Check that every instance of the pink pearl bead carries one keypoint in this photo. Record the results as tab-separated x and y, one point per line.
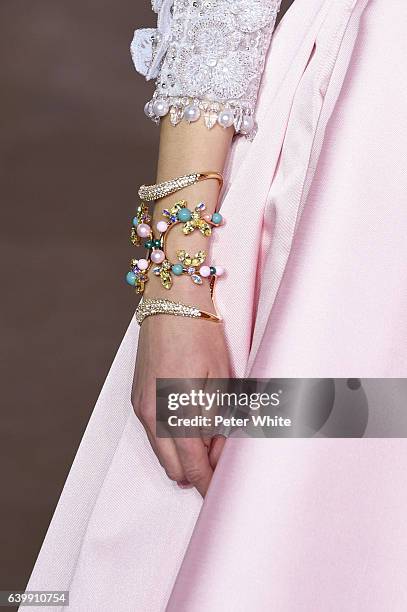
162	226
142	264
205	271
143	230
157	256
220	270
207	217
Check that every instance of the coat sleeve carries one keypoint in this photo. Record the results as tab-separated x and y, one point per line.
207	57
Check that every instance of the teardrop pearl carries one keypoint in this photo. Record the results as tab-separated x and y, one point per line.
191	113
157	256
160	107
226	117
143	230
247	124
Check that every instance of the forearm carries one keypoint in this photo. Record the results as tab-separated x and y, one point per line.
191	147
186	149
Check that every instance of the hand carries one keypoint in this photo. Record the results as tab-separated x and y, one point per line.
179	347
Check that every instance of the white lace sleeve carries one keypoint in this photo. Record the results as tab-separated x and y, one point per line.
207	57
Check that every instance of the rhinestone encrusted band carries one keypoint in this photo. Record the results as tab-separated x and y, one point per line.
153	306
150	193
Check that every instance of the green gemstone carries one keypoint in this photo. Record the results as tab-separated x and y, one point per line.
157	243
177	269
131	278
213	270
184	215
149	244
217	218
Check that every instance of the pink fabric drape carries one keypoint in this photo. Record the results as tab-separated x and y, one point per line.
288	525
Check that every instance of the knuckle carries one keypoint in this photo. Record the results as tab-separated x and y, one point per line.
174	474
193	473
136	403
141	409
136	407
146	413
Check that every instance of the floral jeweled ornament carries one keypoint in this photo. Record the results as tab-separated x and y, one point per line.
140	230
137	276
187	263
142	218
190	263
187	266
164	272
191	220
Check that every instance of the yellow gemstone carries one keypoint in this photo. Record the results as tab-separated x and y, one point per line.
166	280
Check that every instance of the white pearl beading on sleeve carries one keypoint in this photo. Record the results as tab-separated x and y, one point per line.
207	57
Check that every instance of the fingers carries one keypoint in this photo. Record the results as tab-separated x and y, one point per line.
170	460
195	462
207	442
188	461
215	451
164	448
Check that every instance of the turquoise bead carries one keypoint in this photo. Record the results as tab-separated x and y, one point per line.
135	222
177	269
184	214
149	244
217	218
157	243
131	278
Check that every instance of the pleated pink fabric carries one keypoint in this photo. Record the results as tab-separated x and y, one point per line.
319	285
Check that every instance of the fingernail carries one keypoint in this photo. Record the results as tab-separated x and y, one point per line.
184	484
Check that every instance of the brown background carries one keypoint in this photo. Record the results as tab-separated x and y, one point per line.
74	147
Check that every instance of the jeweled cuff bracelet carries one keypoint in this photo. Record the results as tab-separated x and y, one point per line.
191	264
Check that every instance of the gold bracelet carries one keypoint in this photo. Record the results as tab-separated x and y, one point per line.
153	306
149	193
191	264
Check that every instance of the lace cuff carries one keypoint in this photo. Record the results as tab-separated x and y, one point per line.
207	57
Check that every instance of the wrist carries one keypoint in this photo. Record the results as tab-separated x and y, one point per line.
182	290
